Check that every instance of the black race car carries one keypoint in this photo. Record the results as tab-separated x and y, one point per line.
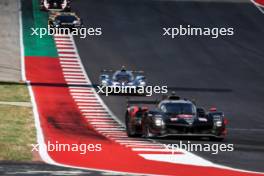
173	116
64	20
55	5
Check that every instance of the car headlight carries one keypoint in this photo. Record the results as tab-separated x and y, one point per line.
116	84
218	123
76	22
218	120
142	83
104	83
158	122
56	23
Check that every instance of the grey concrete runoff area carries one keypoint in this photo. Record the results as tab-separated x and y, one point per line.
9	41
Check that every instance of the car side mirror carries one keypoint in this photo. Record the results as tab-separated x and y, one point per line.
141	78
104	77
213	109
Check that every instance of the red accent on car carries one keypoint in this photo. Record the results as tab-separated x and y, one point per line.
135	110
144	108
224	132
213	109
184	116
225	121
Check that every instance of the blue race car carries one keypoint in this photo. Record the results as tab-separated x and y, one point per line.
123	79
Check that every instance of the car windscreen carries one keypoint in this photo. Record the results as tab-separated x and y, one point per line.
178	108
66	19
55	1
122	77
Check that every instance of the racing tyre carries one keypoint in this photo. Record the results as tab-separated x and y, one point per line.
146	132
67	9
217	139
42	8
129	128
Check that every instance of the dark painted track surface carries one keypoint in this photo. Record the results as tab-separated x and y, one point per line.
225	72
41	169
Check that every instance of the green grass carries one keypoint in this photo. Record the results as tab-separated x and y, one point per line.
17	130
16	93
32	17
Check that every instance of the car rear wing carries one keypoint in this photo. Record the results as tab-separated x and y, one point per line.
142	102
137	71
132	71
107	71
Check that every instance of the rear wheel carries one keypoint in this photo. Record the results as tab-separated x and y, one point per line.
129	127
42	8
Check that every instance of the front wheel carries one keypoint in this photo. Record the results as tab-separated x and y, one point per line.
146	132
67	9
217	139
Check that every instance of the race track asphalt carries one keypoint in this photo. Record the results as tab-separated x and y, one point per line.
226	72
13	168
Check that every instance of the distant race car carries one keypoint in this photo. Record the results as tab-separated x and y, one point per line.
64	20
123	78
173	116
55	5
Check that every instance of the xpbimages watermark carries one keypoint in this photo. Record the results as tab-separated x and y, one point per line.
191	147
81	32
142	90
183	30
62	147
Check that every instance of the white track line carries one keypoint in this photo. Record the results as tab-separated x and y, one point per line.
96	118
73	76
77	83
80	88
259	6
71	69
69	55
65	46
91	107
82	94
153	150
102	119
66	50
68	74
109	129
62	42
69	63
68	59
70	66
91	96
90	104
102	123
87	101
75	80
63	39
94	111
